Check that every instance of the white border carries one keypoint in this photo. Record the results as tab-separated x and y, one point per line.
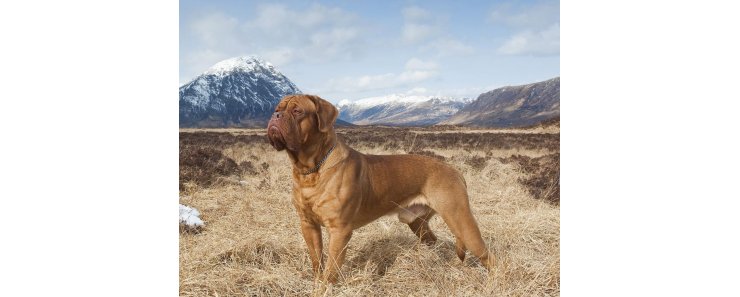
89	148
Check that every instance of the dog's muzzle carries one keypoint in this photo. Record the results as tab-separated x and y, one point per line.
274	133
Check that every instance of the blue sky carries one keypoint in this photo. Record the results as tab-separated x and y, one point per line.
357	49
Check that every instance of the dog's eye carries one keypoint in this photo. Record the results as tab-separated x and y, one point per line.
297	111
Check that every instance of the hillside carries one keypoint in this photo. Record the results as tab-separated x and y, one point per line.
512	106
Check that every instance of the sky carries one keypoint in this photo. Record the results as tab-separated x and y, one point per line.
357	49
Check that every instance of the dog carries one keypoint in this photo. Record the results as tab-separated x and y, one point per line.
342	189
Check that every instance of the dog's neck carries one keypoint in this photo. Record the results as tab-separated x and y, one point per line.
311	154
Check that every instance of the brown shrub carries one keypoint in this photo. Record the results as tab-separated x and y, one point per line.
203	165
478	163
428	154
553	122
543	180
220	140
405	139
247	168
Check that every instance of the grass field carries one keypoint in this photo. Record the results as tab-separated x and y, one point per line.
252	246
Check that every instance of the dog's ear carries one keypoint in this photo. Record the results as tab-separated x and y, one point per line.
326	113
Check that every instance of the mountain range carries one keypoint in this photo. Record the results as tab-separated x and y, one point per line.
242	92
399	110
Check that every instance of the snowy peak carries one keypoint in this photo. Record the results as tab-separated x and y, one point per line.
236	92
244	63
400	110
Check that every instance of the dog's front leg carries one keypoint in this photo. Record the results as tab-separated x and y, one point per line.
338	239
312	235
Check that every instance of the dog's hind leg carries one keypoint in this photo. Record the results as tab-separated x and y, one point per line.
468	236
460	249
461	222
420	226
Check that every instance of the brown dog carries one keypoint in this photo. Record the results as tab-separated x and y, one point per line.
341	189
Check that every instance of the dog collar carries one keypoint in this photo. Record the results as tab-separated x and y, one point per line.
316	168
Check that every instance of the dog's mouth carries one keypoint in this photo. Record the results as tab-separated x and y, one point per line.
276	137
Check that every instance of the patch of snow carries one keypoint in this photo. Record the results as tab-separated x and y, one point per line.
190	217
245	63
344	102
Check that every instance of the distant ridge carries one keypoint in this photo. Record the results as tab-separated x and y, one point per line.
512	106
400	110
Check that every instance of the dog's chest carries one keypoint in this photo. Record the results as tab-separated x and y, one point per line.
317	203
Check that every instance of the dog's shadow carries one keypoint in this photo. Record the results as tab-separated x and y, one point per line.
381	254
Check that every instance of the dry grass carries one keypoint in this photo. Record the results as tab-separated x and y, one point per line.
252	246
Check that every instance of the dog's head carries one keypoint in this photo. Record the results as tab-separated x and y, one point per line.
298	119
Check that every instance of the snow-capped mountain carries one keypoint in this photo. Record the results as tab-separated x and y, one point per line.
237	92
400	110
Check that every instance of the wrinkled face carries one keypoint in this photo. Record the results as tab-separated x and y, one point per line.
296	118
289	123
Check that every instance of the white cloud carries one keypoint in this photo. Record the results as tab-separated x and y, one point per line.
196	61
270	16
417	91
415	71
279	56
218	36
333	43
418	25
448	47
536	17
417	64
216	30
421	27
282	20
317	34
415	33
377	82
415	13
278	33
411	76
464	92
536	28
544	42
